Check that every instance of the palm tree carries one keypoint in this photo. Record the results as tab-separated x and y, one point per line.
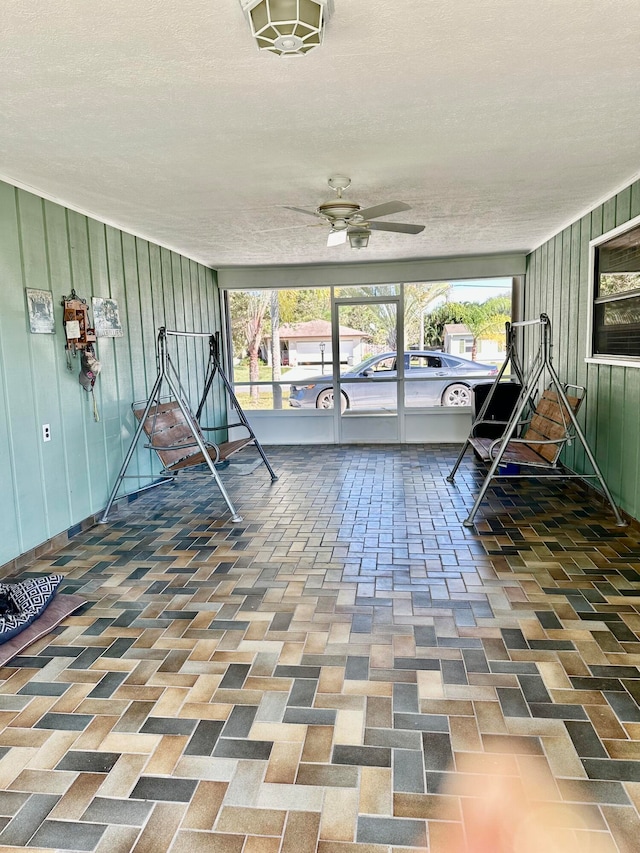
417	297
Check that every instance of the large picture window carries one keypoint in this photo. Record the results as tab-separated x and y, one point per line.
287	354
616	308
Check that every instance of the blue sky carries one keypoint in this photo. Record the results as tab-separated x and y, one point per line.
479	290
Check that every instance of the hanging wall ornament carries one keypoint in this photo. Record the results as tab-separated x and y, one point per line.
89	370
80	335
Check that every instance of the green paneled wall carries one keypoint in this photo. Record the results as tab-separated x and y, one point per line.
558	283
45	488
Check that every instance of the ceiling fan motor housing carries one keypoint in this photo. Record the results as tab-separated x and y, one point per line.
349	220
338	209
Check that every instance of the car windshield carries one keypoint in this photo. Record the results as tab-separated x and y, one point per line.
368	362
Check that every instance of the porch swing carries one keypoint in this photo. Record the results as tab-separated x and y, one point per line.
175	433
537	442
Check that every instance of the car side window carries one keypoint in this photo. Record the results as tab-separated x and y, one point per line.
417	361
422	361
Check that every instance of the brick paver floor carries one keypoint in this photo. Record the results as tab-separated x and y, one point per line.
336	673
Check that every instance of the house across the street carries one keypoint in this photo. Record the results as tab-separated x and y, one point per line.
309	343
458	340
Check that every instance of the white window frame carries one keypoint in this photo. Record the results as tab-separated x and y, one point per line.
590	357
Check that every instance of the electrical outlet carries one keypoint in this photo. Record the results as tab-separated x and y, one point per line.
46	432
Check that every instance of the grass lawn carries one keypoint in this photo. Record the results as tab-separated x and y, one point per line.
241	371
265	400
265	393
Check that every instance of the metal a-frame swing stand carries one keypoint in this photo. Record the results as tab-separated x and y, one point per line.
214	369
189	448
542	452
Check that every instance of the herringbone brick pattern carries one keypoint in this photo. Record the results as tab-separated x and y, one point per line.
334	673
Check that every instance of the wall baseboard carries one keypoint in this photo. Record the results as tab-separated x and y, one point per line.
54	544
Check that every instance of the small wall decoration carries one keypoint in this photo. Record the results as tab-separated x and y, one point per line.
106	318
40	309
75	319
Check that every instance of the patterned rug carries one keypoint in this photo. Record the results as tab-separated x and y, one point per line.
61	607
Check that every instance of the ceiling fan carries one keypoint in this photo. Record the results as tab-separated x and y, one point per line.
349	221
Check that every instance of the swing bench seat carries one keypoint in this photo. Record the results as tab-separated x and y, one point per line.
172	438
540	446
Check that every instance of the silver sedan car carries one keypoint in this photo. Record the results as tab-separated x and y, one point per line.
447	380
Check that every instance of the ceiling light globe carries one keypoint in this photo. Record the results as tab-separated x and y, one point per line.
359	238
287	27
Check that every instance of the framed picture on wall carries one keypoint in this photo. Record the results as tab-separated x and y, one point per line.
106	318
40	311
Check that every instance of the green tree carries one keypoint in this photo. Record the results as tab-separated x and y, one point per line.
298	306
486	320
238	306
436	320
365	319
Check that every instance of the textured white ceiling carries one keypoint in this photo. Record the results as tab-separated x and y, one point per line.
498	121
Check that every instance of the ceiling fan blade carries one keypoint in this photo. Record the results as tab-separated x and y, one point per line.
385	209
302	210
400	227
337	238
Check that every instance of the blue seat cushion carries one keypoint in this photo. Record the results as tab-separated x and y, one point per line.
30	598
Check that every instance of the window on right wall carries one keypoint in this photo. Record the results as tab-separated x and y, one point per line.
615	329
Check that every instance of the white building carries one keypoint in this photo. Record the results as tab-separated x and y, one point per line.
458	340
309	343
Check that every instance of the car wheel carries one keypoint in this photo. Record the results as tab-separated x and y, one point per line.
325	400
457	395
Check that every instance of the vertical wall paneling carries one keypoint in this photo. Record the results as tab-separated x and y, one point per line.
621	381
578	310
37	356
558	319
568	319
179	345
147	320
192	345
216	401
632	395
22	411
168	291
147	464
48	487
630	459
610	414
199	324
553	301
577	341
603	424
531	284
104	351
11	321
119	421
157	290
204	323
86	434
67	394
